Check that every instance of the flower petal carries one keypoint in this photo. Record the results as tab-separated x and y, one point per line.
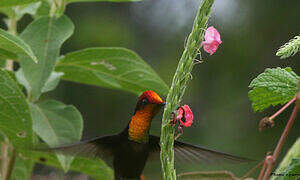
187	119
212	40
211	48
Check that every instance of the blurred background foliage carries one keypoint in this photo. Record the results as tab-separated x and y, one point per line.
251	31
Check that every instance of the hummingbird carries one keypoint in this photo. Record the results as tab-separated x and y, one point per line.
128	151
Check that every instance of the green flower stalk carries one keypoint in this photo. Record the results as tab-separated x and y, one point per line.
290	48
176	92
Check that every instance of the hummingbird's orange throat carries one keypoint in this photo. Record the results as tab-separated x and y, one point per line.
140	124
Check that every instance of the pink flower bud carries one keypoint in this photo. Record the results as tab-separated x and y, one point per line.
212	40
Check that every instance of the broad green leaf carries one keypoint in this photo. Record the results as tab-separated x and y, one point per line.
272	87
292	172
15	45
209	175
294	152
2	62
116	68
4	3
69	1
21	78
23	167
18	12
45	35
27	9
57	124
8	11
43	10
52	82
15	119
92	167
4	54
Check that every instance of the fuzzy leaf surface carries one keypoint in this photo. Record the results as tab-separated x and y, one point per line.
22	168
95	168
57	124
5	3
272	87
16	45
292	172
45	35
115	68
15	118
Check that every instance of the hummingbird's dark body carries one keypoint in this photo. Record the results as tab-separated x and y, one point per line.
130	157
129	150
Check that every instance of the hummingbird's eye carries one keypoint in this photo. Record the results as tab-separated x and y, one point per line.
145	101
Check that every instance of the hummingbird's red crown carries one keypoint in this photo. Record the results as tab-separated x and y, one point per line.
152	97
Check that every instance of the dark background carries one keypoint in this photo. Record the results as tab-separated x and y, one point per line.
251	31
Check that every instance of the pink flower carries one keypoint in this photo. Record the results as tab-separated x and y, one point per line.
212	40
185	116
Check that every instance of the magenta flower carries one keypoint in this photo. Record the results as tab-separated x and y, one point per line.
185	116
212	40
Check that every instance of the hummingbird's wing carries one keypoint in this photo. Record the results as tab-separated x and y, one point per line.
187	153
99	147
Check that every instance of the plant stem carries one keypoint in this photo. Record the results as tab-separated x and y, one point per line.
4	159
261	174
53	8
179	83
283	108
11	164
281	142
252	170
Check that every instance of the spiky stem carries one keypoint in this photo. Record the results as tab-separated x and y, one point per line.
180	79
290	48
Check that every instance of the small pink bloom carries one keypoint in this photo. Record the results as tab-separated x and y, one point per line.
212	40
185	116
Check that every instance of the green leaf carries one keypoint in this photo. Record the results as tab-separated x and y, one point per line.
4	3
15	119
57	124
22	167
69	1
15	45
2	63
209	175
21	78
4	54
27	9
18	12
272	87
291	173
43	10
8	11
116	68
95	168
294	152
45	35
52	82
